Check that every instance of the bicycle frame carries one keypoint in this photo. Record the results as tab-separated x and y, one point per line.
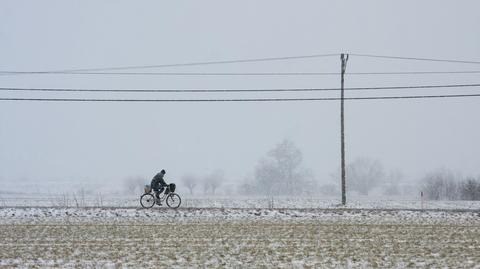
162	196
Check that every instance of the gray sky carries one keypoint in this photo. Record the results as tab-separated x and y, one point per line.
110	141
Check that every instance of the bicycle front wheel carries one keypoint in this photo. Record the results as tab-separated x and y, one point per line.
173	200
147	200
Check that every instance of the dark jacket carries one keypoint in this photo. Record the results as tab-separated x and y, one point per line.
158	181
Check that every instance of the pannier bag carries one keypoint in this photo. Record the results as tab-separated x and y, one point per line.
147	189
172	187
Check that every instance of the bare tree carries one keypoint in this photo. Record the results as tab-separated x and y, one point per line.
190	182
246	189
213	181
470	189
280	172
441	184
364	174
267	178
392	183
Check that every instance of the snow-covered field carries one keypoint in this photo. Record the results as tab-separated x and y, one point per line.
238	237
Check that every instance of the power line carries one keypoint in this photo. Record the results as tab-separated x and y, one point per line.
233	73
238	90
415	72
240	100
87	70
413	87
415	58
251	60
171	73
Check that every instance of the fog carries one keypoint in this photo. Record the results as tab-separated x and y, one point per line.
64	143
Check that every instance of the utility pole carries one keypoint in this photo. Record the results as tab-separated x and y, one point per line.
342	128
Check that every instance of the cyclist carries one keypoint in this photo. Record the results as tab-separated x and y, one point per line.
158	184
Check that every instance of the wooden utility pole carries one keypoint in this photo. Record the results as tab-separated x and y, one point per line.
342	128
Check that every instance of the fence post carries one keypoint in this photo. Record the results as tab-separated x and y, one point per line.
421	199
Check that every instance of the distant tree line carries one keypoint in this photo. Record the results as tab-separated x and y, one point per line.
281	173
365	175
443	184
209	183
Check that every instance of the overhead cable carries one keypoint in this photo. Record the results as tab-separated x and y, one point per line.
241	99
238	90
251	60
232	73
414	58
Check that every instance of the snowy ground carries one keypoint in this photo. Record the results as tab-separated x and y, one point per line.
238	237
99	200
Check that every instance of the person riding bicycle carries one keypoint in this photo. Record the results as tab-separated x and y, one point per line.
158	183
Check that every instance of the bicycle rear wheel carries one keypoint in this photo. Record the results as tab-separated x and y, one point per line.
147	200
173	200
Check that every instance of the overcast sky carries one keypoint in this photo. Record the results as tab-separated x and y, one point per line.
105	142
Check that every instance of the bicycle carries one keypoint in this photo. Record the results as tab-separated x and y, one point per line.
148	200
